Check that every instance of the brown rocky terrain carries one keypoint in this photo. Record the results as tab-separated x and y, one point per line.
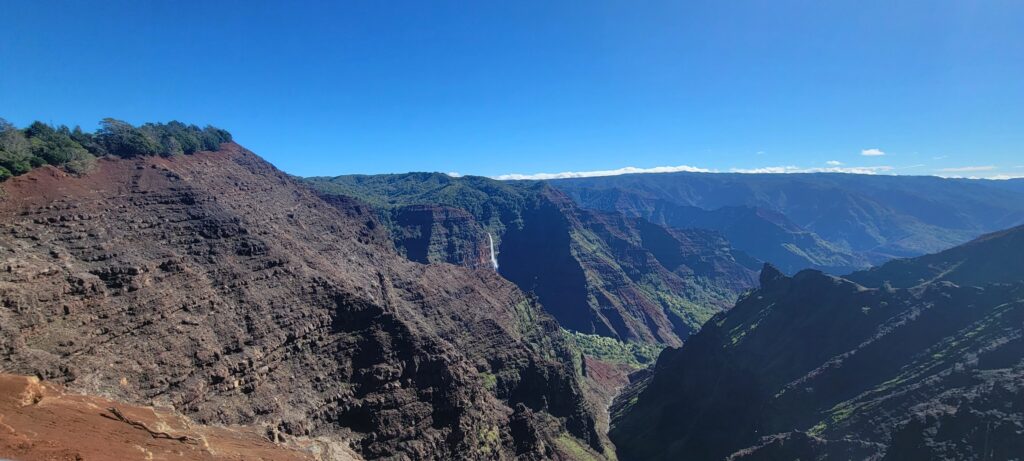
215	285
42	422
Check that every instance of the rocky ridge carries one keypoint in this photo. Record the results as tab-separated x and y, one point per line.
216	285
820	367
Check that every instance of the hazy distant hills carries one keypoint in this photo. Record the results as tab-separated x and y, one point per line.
833	222
993	258
819	367
596	272
1016	184
767	234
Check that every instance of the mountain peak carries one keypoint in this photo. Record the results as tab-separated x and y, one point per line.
771	276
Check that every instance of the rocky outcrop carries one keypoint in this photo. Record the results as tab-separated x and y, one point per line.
216	285
440	234
931	372
43	422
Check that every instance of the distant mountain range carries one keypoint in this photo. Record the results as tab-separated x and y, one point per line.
833	222
918	359
596	272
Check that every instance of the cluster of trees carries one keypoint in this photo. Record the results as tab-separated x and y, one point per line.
76	150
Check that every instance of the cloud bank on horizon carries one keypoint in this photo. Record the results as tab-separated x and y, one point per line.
830	169
616	172
833	167
966	169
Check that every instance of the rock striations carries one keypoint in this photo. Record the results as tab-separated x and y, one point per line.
217	285
441	234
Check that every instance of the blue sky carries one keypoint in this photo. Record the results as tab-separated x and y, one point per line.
493	88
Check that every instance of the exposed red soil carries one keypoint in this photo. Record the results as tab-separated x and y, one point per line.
40	421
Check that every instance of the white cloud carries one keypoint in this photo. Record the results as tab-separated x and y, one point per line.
834	167
795	169
768	169
454	174
589	174
872	152
966	169
977	172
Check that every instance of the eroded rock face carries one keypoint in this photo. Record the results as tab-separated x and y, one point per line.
440	234
621	277
214	284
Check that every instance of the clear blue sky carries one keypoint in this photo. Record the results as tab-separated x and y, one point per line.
483	87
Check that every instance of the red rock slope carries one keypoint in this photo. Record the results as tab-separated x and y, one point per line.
40	421
216	284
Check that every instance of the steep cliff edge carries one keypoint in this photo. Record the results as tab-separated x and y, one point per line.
435	234
215	284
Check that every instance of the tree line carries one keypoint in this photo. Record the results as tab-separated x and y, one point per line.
76	151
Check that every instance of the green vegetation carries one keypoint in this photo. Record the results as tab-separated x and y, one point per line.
76	151
489	439
490	380
496	205
612	350
574	449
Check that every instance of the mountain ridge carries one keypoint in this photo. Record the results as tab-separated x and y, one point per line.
821	367
215	283
869	218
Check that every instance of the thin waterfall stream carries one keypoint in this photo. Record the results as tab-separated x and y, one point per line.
494	260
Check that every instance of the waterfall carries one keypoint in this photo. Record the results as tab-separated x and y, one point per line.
494	261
